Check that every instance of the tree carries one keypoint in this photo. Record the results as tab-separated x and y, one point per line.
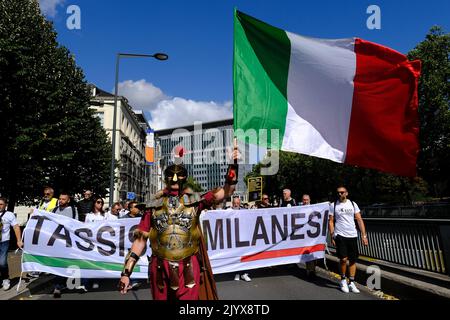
319	178
193	184
49	135
434	110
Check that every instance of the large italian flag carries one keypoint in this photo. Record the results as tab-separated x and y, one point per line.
347	100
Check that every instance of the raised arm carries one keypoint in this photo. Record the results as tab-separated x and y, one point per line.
231	178
230	184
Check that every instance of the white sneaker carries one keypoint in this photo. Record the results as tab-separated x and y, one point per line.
6	284
82	288
245	277
237	277
34	274
135	285
344	286
353	287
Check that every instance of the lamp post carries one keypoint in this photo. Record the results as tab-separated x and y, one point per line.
158	56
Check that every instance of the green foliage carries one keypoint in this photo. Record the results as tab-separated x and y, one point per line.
193	184
49	135
434	110
319	178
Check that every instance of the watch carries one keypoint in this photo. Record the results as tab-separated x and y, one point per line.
125	273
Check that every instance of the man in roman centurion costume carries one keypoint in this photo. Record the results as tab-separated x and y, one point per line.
179	266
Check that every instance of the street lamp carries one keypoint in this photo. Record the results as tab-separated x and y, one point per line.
158	56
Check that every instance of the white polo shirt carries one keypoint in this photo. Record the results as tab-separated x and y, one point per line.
344	218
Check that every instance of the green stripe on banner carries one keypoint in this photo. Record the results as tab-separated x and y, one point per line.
260	75
82	264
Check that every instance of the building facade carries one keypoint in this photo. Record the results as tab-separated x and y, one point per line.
205	158
133	173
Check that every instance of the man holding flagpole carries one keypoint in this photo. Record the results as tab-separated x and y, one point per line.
179	266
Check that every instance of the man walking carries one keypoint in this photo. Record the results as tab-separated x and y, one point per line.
113	214
134	212
7	220
265	202
306	200
85	205
310	265
64	208
287	200
179	266
48	202
343	214
236	205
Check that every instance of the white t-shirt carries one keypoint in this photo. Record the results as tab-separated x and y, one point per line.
344	218
91	217
8	220
123	212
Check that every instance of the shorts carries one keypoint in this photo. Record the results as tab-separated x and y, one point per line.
346	248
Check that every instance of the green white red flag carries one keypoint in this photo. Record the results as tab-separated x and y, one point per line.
347	100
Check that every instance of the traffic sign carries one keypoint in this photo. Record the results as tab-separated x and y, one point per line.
254	188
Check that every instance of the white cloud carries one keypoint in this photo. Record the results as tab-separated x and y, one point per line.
178	112
142	95
170	112
48	7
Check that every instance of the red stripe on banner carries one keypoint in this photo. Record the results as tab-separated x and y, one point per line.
282	253
384	124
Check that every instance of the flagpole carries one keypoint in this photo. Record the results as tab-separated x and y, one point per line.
235	162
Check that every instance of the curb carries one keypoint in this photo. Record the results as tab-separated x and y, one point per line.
33	286
400	286
334	277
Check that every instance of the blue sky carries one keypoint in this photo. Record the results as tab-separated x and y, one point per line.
196	81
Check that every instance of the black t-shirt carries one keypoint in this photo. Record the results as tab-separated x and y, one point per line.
290	203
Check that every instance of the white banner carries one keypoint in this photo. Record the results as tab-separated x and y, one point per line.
236	240
250	239
63	246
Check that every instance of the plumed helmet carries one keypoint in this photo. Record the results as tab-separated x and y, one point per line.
176	173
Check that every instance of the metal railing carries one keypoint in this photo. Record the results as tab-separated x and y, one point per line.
427	211
412	242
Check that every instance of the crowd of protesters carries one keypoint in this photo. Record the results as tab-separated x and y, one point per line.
90	208
343	213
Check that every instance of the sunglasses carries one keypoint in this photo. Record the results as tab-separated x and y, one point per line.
98	201
47	194
265	198
341	192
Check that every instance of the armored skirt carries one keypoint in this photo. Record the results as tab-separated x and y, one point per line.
179	266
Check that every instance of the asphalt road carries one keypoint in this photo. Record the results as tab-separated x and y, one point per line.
275	283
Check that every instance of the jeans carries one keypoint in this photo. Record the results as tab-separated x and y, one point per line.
4	271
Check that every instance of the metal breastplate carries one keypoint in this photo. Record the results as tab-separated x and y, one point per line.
175	234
